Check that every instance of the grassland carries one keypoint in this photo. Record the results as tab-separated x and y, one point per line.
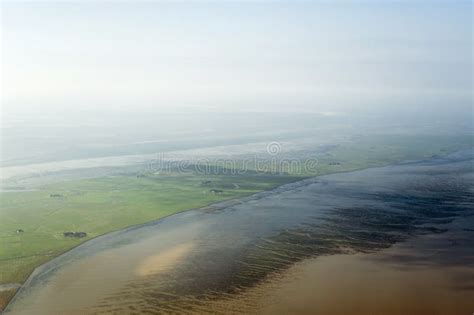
100	205
379	150
355	154
97	206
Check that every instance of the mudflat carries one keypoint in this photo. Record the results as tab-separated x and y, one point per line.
391	239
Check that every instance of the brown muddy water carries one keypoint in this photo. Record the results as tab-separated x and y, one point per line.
390	240
408	278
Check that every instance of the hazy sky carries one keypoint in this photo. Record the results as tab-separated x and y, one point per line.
313	56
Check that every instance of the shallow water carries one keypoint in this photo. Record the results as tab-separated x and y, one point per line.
193	260
357	284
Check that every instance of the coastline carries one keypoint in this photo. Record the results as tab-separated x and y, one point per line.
217	206
212	207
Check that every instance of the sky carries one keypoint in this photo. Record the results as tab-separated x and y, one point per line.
248	56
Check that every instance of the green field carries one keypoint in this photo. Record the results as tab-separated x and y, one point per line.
359	153
100	205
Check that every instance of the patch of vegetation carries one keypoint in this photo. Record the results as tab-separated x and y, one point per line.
348	155
104	204
5	297
100	205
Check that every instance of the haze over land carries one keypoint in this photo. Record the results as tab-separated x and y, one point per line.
103	79
79	78
120	114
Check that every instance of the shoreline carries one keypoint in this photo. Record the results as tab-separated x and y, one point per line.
216	206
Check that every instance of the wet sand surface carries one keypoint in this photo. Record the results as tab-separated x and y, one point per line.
391	240
394	281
